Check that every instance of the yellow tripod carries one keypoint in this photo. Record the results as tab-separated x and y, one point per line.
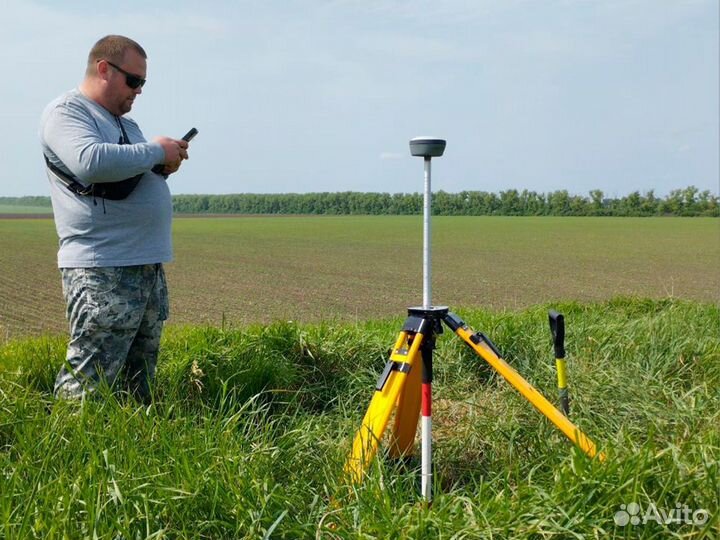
404	387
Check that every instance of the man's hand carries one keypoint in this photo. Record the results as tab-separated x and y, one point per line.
170	168
175	150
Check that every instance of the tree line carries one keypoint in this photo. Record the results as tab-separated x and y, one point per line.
680	202
689	201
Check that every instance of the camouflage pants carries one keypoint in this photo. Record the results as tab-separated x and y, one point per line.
116	316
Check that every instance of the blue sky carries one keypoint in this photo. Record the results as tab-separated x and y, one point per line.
291	96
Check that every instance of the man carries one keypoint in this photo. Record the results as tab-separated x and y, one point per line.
113	217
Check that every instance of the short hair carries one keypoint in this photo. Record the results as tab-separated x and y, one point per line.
112	48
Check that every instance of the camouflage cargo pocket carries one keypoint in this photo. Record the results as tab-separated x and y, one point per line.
107	298
102	280
161	295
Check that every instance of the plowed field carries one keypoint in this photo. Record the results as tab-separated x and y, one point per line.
242	270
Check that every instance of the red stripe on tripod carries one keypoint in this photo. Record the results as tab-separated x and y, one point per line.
427	399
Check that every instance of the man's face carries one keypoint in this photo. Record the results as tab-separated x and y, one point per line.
120	95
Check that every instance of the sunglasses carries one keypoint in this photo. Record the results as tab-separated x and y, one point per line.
133	81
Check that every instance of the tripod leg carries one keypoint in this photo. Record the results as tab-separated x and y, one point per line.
404	359
409	403
406	415
487	351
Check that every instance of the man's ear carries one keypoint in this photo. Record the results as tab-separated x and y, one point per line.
102	68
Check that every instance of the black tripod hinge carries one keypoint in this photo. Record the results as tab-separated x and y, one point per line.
453	321
478	337
392	365
413	324
419	325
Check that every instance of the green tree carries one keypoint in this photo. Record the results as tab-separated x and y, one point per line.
597	197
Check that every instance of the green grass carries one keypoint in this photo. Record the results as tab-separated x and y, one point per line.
244	270
24	209
251	425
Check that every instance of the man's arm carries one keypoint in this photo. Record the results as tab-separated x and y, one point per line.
76	140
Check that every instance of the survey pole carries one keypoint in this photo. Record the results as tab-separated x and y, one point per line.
427	148
427	257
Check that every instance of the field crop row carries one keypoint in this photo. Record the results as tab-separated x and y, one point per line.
245	270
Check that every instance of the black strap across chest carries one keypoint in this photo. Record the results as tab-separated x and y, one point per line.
113	191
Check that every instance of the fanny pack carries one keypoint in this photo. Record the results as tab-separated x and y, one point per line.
113	191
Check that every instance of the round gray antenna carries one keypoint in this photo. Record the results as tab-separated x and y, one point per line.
427	147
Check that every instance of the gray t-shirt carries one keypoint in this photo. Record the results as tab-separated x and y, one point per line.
82	138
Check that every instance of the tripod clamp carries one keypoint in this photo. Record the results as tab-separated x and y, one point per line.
426	322
454	323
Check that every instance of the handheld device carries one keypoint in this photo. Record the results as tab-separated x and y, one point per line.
190	134
187	137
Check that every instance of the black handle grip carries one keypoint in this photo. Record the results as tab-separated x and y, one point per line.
557	328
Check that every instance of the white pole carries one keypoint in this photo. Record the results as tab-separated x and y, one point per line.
427	147
426	236
426	418
426	458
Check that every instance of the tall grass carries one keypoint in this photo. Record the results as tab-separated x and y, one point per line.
249	429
